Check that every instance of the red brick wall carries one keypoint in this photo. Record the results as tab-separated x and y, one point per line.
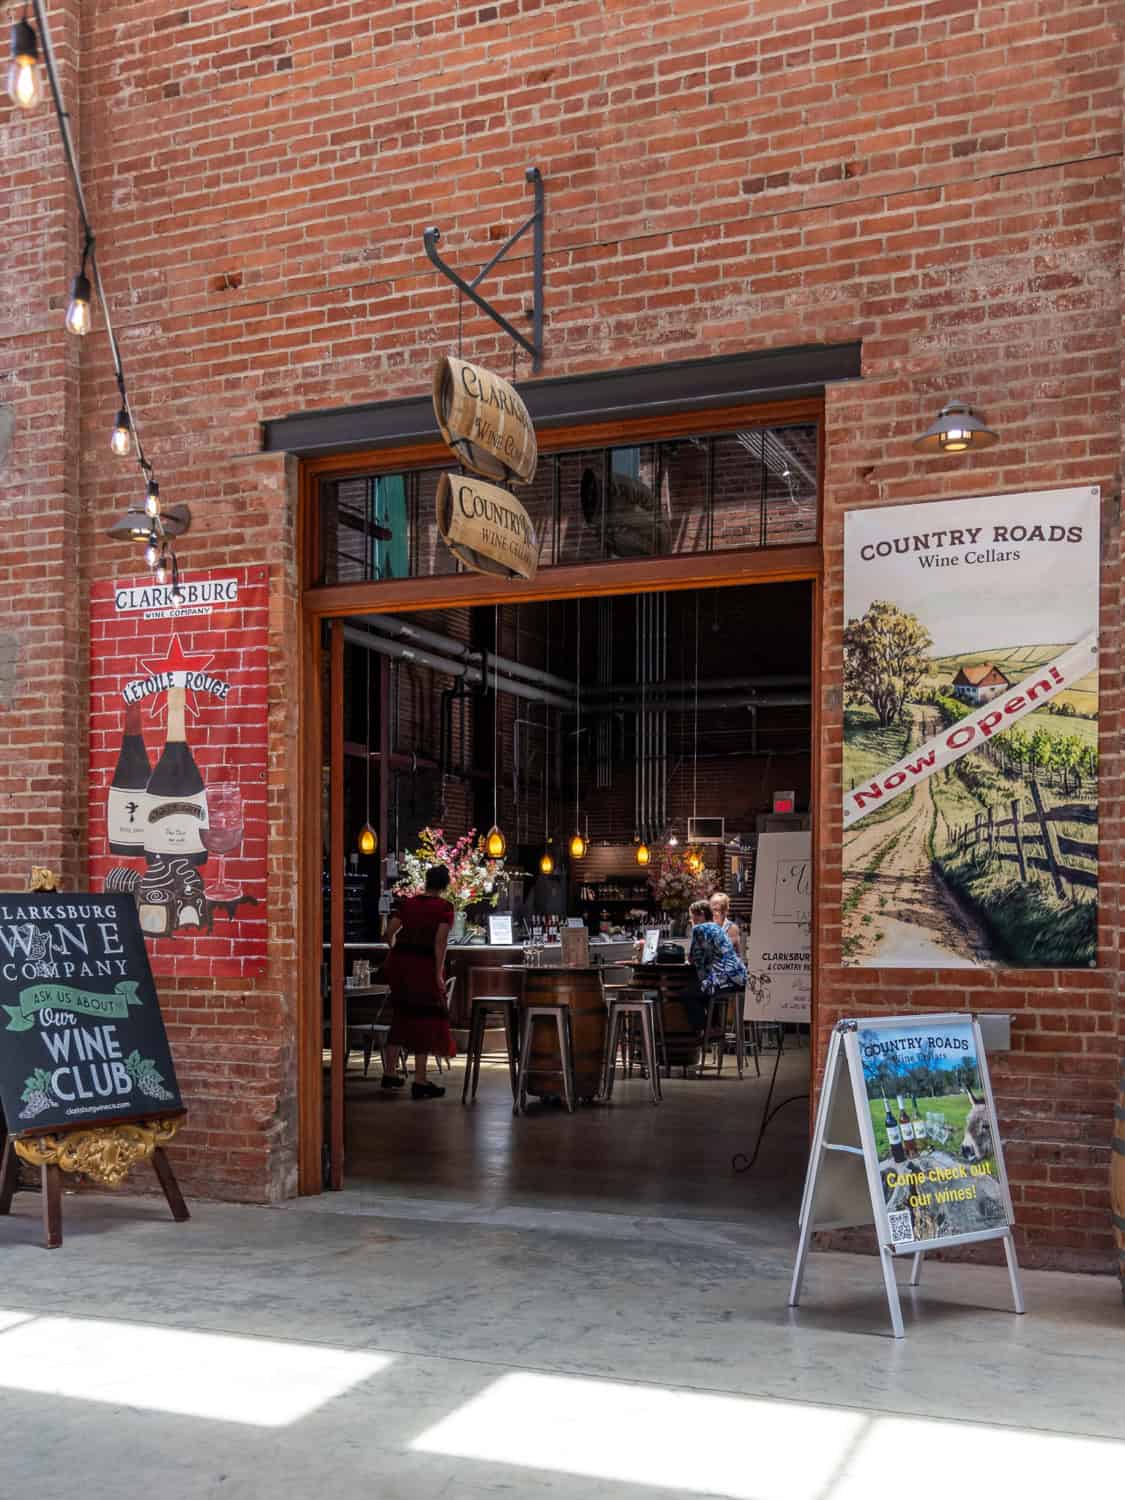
939	178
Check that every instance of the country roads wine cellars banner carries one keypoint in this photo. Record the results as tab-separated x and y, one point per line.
178	739
971	732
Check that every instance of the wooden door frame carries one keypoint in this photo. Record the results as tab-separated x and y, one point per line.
329	603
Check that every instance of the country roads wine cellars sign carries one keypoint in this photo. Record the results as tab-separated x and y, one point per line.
178	746
971	732
84	1041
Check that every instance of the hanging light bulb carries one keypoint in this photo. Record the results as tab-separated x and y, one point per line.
152	551
643	853
179	598
578	846
161	574
695	863
495	844
368	840
152	499
546	863
25	86
78	312
121	440
672	840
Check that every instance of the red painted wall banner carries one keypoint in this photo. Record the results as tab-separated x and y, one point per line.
178	744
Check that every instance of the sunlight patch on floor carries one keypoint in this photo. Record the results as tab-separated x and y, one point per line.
752	1449
219	1377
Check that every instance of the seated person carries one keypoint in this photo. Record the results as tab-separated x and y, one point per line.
718	968
720	913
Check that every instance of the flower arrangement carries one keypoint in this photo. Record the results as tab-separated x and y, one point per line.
473	877
683	878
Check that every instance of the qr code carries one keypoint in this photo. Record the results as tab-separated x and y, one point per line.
902	1227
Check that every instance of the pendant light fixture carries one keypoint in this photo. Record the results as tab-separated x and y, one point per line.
694	859
642	853
547	859
368	840
495	844
578	843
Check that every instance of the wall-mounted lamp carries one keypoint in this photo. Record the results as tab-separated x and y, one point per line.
137	522
957	430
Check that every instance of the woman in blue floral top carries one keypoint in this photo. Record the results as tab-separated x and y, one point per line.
718	967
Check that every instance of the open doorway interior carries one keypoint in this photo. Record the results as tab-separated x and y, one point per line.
635	752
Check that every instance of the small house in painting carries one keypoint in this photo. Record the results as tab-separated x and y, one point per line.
976	685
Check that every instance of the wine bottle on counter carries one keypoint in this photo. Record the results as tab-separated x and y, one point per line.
177	798
127	803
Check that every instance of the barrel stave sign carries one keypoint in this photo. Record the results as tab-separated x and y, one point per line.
486	527
84	1042
484	421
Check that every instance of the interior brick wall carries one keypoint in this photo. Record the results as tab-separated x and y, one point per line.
938	178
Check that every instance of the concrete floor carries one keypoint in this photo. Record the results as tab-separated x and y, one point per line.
629	1157
389	1343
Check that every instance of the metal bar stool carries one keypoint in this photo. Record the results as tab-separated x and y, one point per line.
560	1015
715	1029
505	1005
624	1005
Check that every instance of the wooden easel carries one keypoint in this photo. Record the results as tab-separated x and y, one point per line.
104	1153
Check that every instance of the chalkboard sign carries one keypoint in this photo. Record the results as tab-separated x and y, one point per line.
83	1041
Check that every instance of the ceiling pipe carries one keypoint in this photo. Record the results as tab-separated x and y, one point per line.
404	630
706	705
468	671
706	685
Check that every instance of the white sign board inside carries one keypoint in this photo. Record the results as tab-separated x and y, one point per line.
778	949
500	927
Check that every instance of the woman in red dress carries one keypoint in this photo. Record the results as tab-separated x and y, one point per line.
419	934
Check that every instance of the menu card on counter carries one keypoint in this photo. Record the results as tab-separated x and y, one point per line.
500	928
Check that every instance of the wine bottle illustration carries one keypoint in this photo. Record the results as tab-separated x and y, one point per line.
177	798
906	1126
127	803
894	1134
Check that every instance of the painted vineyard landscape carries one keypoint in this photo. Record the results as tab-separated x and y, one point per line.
988	859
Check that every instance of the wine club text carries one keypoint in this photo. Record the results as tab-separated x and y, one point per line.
85	1056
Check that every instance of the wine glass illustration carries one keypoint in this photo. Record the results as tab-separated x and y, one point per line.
223	834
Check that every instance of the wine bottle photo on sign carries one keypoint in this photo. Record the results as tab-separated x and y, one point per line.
894	1134
127	803
177	797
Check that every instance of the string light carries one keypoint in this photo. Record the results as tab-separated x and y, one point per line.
121	440
78	309
28	41
25	87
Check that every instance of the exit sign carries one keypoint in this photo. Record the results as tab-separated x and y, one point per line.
784	802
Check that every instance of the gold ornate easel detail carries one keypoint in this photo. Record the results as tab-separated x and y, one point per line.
43	879
104	1153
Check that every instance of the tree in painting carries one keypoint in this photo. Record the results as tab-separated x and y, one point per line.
885	658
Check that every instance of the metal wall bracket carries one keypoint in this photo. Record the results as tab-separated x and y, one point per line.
534	345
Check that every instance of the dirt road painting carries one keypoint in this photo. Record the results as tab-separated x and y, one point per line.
971	733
